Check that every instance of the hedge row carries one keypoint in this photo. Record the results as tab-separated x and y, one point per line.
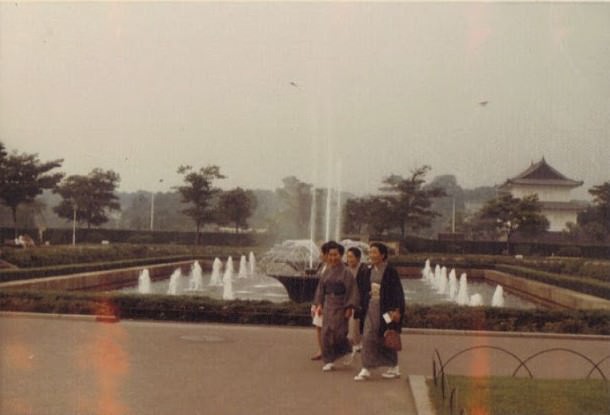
58	236
599	270
507	319
41	272
581	284
203	309
67	254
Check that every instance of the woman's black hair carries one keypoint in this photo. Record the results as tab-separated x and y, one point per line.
356	251
334	245
383	249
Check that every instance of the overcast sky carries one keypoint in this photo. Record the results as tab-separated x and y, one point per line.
268	90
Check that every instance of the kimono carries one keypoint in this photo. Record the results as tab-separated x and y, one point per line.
336	293
382	292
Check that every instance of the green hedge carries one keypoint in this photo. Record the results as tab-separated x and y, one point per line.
581	284
203	309
67	254
41	272
507	319
599	269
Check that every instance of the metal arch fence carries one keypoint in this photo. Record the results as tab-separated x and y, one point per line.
522	362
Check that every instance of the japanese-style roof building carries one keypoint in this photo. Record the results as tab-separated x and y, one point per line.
553	190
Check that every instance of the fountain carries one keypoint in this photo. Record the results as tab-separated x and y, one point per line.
453	285
252	264
227	281
427	271
442	282
215	279
144	282
498	298
196	279
462	297
476	300
174	279
294	264
243	271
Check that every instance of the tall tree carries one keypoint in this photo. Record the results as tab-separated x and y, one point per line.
372	213
507	214
199	191
410	203
91	197
236	206
23	177
595	220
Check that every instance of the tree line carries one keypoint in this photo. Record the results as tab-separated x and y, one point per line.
90	199
402	206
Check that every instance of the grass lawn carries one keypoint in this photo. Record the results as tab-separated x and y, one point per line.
523	396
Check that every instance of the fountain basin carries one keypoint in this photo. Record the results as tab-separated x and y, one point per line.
300	288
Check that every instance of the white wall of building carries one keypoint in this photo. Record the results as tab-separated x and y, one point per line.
559	219
545	194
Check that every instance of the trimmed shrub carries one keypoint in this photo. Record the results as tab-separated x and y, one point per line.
204	309
581	284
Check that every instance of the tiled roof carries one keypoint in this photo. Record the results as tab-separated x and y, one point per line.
542	173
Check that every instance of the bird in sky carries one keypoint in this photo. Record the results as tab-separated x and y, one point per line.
483	103
294	84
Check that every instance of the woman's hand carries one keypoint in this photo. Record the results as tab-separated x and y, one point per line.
319	310
395	315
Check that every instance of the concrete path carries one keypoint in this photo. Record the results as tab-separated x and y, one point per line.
71	366
74	366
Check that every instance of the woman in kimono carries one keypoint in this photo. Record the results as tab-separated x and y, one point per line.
336	298
354	264
382	307
316	316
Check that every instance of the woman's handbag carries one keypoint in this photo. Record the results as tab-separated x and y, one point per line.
391	340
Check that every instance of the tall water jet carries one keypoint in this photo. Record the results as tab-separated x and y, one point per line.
498	298
462	297
329	158
243	271
227	280
476	300
453	285
196	279
338	207
437	275
252	264
442	282
426	271
312	222
174	280
228	269
144	282
215	279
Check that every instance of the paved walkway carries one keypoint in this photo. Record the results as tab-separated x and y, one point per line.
77	366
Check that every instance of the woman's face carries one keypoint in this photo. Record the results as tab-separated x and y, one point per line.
334	257
352	261
375	256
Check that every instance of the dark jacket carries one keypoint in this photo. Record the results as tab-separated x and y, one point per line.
392	297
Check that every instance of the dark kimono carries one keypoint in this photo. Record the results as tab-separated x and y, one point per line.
336	293
381	292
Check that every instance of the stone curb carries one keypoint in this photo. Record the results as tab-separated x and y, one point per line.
419	390
448	332
73	317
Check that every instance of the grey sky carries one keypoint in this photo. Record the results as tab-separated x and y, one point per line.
142	88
